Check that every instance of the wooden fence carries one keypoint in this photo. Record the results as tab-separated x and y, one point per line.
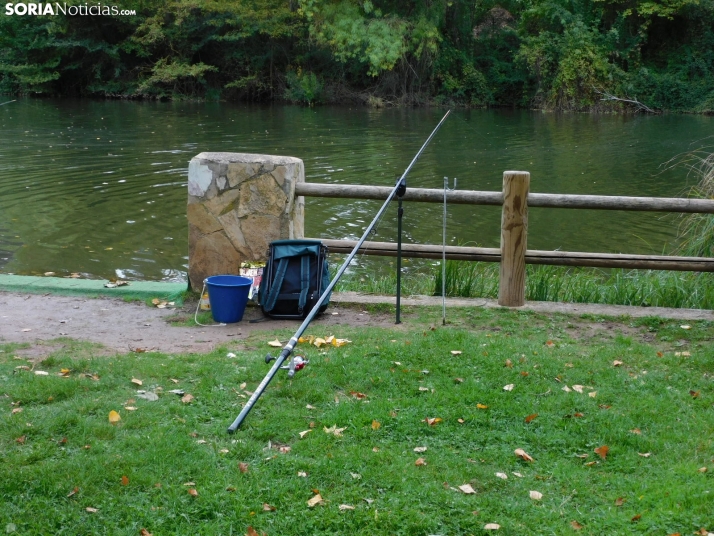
515	198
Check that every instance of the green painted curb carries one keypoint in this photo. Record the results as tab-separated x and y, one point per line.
141	290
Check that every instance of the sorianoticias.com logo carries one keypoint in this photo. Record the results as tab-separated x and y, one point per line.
56	8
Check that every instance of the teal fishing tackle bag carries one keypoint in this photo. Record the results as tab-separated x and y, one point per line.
294	278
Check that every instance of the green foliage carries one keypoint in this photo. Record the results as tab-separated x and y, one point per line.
554	54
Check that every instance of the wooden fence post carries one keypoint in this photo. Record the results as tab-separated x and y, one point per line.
514	234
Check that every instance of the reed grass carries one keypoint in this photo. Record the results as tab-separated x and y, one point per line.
648	288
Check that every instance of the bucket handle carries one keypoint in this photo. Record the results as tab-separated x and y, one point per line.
198	305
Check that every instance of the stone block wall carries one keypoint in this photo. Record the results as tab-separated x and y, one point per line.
237	204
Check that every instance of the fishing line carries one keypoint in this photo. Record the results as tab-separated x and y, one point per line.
443	252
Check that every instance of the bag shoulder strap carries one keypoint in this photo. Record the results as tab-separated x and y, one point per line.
275	285
304	281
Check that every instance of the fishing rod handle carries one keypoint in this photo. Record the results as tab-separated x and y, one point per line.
259	391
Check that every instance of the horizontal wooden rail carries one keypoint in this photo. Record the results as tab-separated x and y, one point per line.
474	197
553	258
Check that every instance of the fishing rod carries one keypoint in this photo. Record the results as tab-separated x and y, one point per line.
8	102
288	348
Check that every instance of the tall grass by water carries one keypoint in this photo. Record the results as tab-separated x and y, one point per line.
649	288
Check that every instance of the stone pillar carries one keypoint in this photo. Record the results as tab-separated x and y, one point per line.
237	204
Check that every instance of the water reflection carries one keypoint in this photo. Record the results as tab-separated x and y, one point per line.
100	186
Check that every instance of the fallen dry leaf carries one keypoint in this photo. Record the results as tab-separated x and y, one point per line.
42	373
114	417
250	531
508	387
617	363
137	381
590	464
523	455
73	492
636	518
304	433
535	495
144	532
317	499
422	388
310	407
91	510
508	363
192	492
686	326
502	476
16	410
491	526
481	406
302	474
357	395
243	467
576	525
644	454
619	501
566	389
455	352
592	394
275	344
346	507
549	344
694	394
420	462
602	451
187	398
531	417
702	470
458	380
319	341
124	480
268	507
337	432
432	421
420	449
467	489
376	425
636	431
578	388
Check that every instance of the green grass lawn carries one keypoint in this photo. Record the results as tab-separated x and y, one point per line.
647	395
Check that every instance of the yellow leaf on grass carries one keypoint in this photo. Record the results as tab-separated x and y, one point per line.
319	341
531	417
491	526
268	507
114	417
433	421
304	433
124	480
456	352
337	432
192	492
346	507
420	462
376	425
339	342
502	476
617	363
317	499
137	381
578	388
144	532
576	525
523	455
481	406
275	344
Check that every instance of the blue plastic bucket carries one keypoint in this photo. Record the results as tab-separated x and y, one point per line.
228	295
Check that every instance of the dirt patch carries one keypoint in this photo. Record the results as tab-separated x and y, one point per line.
125	326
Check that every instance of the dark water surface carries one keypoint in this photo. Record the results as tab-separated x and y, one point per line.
99	187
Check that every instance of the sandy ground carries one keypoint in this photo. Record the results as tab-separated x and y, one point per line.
125	326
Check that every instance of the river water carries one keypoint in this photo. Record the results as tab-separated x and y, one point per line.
99	187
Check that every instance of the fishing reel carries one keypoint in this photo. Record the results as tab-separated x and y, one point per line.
297	362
